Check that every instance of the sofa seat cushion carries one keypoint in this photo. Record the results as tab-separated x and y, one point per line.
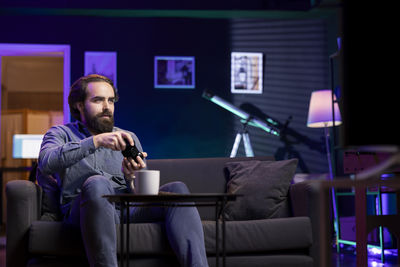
262	236
55	238
258	236
278	260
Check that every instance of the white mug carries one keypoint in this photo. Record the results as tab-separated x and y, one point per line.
147	182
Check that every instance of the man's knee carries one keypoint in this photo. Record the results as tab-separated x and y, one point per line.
175	187
97	185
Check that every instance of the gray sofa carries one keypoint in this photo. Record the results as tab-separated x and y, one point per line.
33	239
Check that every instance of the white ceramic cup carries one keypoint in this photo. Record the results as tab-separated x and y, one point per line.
147	182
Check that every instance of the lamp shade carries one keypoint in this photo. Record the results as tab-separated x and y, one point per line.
320	110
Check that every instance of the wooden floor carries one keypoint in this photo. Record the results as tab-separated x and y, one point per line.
345	259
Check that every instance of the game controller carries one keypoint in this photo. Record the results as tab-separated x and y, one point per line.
132	152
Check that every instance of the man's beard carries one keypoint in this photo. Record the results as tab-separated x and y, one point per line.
97	124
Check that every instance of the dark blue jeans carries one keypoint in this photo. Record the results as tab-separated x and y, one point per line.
97	219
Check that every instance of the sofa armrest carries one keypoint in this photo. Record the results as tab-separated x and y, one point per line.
23	207
306	201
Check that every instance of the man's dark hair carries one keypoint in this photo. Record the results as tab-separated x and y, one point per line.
78	91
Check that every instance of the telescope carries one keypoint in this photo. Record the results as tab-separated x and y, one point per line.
268	125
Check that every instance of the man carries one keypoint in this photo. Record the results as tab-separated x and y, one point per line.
85	157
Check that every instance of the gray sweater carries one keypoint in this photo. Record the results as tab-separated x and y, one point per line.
68	154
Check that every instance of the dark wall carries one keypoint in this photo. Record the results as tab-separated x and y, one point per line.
170	123
296	62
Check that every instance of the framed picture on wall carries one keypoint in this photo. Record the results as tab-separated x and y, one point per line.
246	73
174	72
103	63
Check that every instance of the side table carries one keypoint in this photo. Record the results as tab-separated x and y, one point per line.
364	222
164	199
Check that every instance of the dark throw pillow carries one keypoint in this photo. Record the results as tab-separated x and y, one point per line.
264	186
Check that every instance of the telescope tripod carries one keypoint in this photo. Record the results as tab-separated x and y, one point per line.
246	141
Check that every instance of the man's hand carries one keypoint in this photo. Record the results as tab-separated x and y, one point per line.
113	140
118	141
129	166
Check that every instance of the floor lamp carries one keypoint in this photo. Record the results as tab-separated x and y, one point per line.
322	115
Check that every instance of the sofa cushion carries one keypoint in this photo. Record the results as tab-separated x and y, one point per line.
264	187
260	236
278	260
54	238
201	175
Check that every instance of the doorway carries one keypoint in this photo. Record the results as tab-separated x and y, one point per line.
34	90
43	50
